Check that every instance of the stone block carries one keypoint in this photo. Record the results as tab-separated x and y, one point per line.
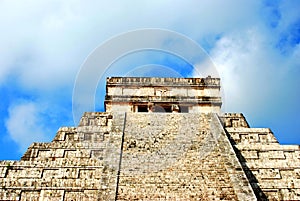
44	154
30	195
269	173
3	171
86	173
250	154
51	173
276	155
51	195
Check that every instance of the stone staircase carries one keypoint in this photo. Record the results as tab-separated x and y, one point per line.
179	157
130	156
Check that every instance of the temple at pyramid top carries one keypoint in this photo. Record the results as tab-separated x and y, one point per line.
155	94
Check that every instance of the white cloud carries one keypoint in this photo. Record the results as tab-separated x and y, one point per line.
47	41
256	77
25	125
240	60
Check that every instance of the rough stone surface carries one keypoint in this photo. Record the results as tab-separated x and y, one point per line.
195	95
272	169
178	162
153	155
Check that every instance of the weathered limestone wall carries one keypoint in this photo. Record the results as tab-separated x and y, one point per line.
161	158
179	157
161	89
155	156
204	109
273	169
123	94
79	164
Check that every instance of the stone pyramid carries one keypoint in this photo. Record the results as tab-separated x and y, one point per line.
159	139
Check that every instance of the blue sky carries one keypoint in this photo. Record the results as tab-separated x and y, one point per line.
255	46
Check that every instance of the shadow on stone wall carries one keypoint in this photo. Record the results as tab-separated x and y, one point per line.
260	195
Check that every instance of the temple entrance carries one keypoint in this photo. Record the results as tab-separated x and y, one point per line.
142	108
163	108
183	109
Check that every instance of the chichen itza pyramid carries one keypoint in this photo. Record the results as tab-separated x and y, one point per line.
158	139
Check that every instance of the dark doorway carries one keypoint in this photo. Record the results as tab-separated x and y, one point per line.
162	108
184	109
142	108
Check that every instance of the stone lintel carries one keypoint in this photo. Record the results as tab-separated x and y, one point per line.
162	81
